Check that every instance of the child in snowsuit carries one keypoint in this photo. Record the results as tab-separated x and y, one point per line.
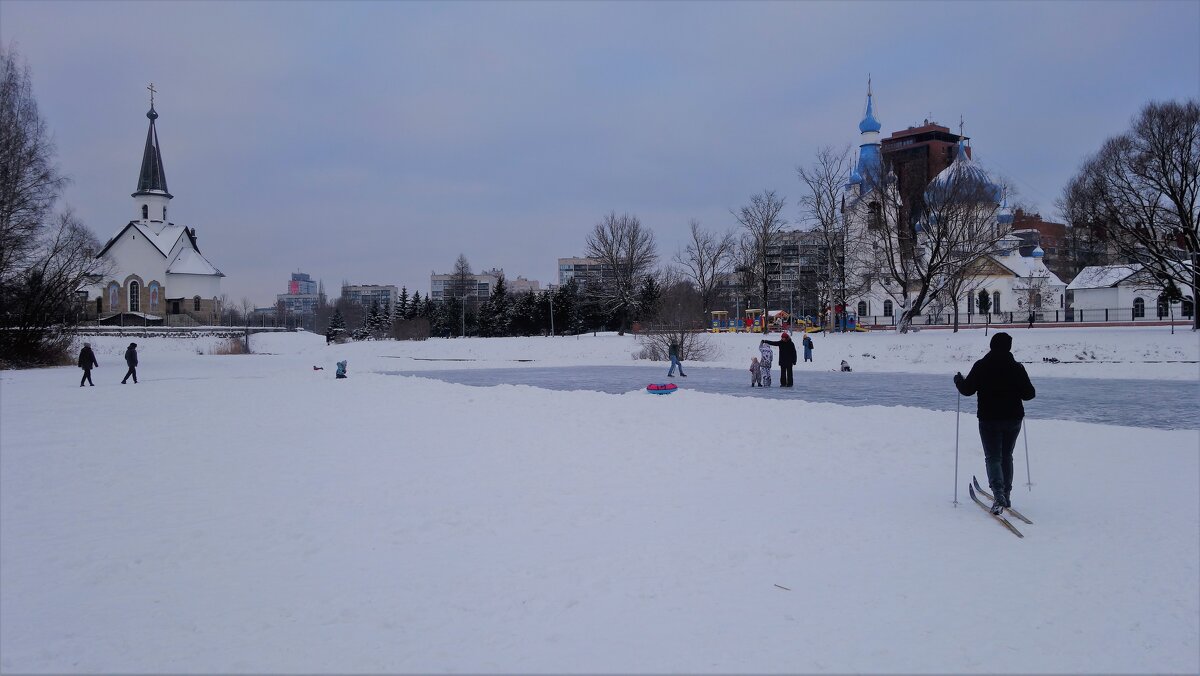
755	372
341	369
845	366
766	357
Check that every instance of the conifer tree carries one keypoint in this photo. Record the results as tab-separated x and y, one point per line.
402	304
415	306
338	323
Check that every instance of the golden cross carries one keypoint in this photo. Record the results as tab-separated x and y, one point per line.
152	90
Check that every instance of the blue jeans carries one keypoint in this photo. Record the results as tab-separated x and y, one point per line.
674	363
999	437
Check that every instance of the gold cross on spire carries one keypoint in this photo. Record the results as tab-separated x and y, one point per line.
960	126
152	90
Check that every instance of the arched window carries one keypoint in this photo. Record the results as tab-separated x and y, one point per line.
196	304
153	288
135	296
1037	301
996	302
887	308
1188	307
862	308
1163	306
145	212
875	216
1139	308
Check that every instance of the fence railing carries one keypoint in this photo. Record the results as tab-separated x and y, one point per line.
1090	316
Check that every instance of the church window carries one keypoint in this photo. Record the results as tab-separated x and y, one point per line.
875	216
887	308
113	297
996	301
1139	308
196	304
862	308
153	296
1162	306
145	212
135	297
1037	300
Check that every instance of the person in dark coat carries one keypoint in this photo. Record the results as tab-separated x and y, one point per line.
808	347
87	359
787	358
132	361
1002	384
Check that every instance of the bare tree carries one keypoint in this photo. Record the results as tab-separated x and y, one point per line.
763	224
706	260
30	183
1143	190
625	247
462	279
247	309
821	208
955	227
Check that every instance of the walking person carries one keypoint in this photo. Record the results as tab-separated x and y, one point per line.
808	347
673	353
132	360
787	358
1002	384
87	360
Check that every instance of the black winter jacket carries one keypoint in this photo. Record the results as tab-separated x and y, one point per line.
131	357
87	359
787	351
1002	384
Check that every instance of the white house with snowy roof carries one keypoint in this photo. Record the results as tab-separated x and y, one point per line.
157	273
1122	292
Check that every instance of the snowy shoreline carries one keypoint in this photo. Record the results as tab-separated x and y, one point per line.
250	514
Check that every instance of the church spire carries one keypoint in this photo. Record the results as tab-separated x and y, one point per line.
152	179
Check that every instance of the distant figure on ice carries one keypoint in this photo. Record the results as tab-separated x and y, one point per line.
755	372
673	353
845	366
808	347
87	359
787	358
1002	384
341	369
765	357
131	360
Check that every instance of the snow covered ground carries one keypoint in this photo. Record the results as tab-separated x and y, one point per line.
251	514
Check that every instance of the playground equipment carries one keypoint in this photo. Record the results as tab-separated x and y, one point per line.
753	321
720	322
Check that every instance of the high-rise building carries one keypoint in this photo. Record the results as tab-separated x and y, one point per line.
916	155
367	295
479	286
302	297
582	270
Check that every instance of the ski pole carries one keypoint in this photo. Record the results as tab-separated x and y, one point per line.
958	413
1028	477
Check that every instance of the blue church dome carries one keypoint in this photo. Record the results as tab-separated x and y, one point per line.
869	123
1037	252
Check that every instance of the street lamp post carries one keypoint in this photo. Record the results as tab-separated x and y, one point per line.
550	295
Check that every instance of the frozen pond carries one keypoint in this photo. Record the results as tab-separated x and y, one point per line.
1131	403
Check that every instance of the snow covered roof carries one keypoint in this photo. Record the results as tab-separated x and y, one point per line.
189	262
1103	276
1026	267
162	235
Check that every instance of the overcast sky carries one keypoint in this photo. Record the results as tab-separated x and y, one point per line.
375	141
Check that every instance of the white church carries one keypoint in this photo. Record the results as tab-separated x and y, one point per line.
157	274
1013	283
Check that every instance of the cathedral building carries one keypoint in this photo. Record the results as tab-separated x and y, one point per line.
157	275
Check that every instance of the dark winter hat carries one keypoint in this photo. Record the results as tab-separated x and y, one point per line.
135	344
1002	342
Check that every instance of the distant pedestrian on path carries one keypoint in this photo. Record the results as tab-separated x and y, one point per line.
673	353
1002	384
808	347
787	358
132	360
87	360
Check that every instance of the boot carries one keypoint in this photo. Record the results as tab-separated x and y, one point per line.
998	506
1008	499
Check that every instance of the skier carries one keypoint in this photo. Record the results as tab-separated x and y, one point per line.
787	358
673	353
808	347
87	359
1002	384
132	360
